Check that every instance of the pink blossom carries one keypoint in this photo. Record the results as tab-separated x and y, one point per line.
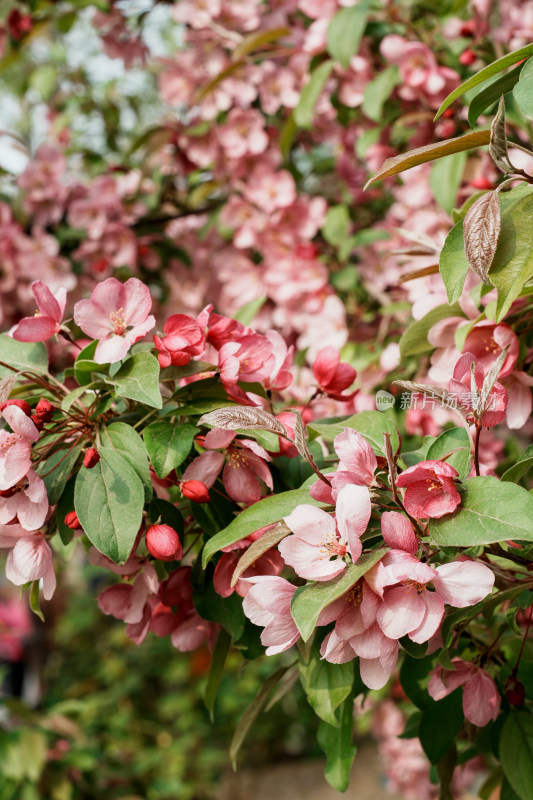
269	563
268	604
357	464
481	699
317	548
332	376
487	340
15	448
487	410
117	315
430	489
47	320
249	359
243	133
30	560
270	190
192	633
126	601
183	339
27	501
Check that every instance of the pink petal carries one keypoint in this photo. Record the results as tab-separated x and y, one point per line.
398	532
356	456
241	484
205	468
353	511
311	524
463	583
371	643
481	699
111	349
336	650
218	438
432	617
35	329
373	674
309	561
46	302
92	318
20	423
16	464
402	610
136	301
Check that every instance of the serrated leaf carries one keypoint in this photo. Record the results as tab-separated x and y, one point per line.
168	445
481	232
430	152
304	111
453	265
310	600
109	501
138	379
233	418
481	76
491	511
262	545
427	389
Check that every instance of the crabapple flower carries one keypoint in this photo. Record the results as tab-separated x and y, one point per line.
183	338
317	548
430	491
47	319
357	464
468	379
27	500
249	359
127	601
332	375
269	563
486	341
15	448
481	699
118	315
268	604
30	560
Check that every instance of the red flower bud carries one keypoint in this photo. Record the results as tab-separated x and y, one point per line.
481	183
22	404
72	521
44	409
467	57
18	24
195	491
92	457
163	543
37	421
515	691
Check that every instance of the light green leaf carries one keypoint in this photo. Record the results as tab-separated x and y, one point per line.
415	339
168	444
336	225
523	91
516	752
449	440
247	313
304	111
370	424
345	32
265	512
55	472
326	685
310	600
491	94
109	501
523	465
487	72
126	442
453	265
490	511
378	91
138	379
512	265
336	742
445	178
22	356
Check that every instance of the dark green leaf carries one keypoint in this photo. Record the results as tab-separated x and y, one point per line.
168	444
326	685
453	265
449	440
513	261
126	442
523	91
440	724
138	379
413	677
516	752
523	465
55	472
491	94
216	669
167	513
336	742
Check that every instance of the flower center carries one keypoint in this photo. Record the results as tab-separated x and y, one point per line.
433	484
237	459
118	322
8	440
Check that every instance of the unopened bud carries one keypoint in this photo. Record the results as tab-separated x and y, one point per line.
22	404
163	543
515	691
481	183
44	409
467	57
195	491
92	457
72	521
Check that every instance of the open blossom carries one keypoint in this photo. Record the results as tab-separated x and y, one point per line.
27	500
126	601
184	337
47	320
269	563
243	133
268	604
488	410
319	543
481	699
332	375
118	315
15	448
249	359
357	464
30	559
430	489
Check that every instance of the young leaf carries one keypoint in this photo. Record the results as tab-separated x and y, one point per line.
498	140
168	444
453	265
138	379
326	685
490	511
310	600
345	32
445	178
126	442
491	94
429	152
481	231
266	542
233	418
336	742
487	72
303	113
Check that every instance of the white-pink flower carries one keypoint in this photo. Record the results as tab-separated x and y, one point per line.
27	500
319	544
118	314
47	320
268	604
30	560
481	699
15	448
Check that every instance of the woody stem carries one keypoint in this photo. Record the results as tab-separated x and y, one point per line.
476	449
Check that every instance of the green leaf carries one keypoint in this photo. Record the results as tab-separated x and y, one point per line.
247	313
487	72
35	604
166	512
265	512
440	724
126	442
326	685
522	93
22	356
507	792
491	94
55	472
304	111
64	505
413	677
138	379
109	501
336	742
168	444
370	424
336	226
516	752
345	32
453	265
445	179
72	396
225	611
378	91
490	511
415	339
216	669
523	465
429	152
449	440
253	711
513	261
308	601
